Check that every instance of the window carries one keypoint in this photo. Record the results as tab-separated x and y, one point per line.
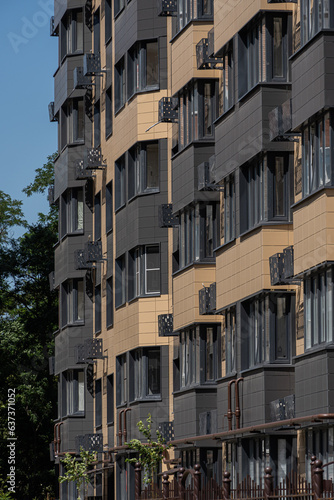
228	343
144	271
265	191
119	85
107	20
71	211
227	210
96	33
120	182
108	112
110	303
226	88
110	399
315	16
143	67
263	52
97	216
71	33
98	403
72	122
318	308
198	233
73	393
118	6
145	373
120	281
98	311
72	302
143	169
198	355
196	112
121	380
192	9
316	154
97	124
267	329
109	207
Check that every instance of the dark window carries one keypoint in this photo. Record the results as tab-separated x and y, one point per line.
198	233
318	308
144	271
143	169
263	51
97	124
226	87
73	392
315	15
118	6
97	216
109	207
316	155
121	380
71	33
143	67
267	329
108	112
120	182
96	33
72	302
228	341
71	211
191	9
120	281
196	112
119	85
110	399
107	20
98	311
227	210
98	403
110	303
145	373
72	122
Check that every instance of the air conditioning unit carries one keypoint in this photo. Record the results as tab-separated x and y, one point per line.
92	65
167	7
168	109
80	81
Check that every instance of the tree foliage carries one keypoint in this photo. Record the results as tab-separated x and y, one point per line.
151	452
44	177
10	215
77	469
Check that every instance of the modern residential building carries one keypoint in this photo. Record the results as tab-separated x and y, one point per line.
196	234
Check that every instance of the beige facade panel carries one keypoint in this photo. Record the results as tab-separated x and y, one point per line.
184	56
313	222
231	15
186	302
242	269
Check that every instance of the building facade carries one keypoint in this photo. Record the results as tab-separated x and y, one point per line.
196	247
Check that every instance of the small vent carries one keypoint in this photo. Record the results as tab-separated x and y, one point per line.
166	217
89	442
167	7
165	325
168	109
166	429
80	81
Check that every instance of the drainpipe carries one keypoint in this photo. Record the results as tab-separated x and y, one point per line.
237	406
229	413
125	433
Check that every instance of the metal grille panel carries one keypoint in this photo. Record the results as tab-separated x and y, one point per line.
165	325
80	260
93	349
204	297
51	109
212	297
288	262
283	409
93	251
167	7
276	268
166	217
93	159
89	442
80	81
81	172
167	430
211	41
91	64
202	53
168	109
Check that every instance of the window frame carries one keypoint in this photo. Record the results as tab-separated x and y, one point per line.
137	169
119	85
109	207
110	399
120	281
137	68
69	42
138	272
71	309
109	303
71	217
73	390
109	113
139	376
98	309
98	403
97	216
121	380
120	183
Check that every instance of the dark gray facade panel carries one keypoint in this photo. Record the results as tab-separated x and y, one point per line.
312	76
68	338
184	175
314	388
73	427
61	6
65	165
63	81
187	407
244	132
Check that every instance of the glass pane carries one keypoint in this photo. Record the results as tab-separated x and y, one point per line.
313	166
278	52
81	300
307	312
80	126
329	305
153	372
152	257
207	109
209	354
325	19
81	391
279	187
322	308
320	137
281	348
79	32
80	209
152	166
153	281
327	146
152	64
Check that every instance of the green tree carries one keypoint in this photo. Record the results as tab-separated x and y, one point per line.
77	469
10	215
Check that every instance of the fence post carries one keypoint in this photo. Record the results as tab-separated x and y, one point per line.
181	484
137	481
227	485
197	481
313	459
318	481
268	483
165	487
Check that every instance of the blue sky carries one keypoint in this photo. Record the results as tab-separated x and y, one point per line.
28	60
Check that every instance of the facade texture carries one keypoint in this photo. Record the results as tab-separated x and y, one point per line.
195	257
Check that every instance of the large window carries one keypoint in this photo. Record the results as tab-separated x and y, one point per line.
226	87
72	302
143	67
121	380
119	85
73	392
316	155
107	21
108	111
198	233
265	193
98	403
227	210
72	122
144	374
71	33
267	329
197	112
315	16
120	182
143	169
189	10
110	302
318	308
144	271
263	51
120	281
228	341
71	212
